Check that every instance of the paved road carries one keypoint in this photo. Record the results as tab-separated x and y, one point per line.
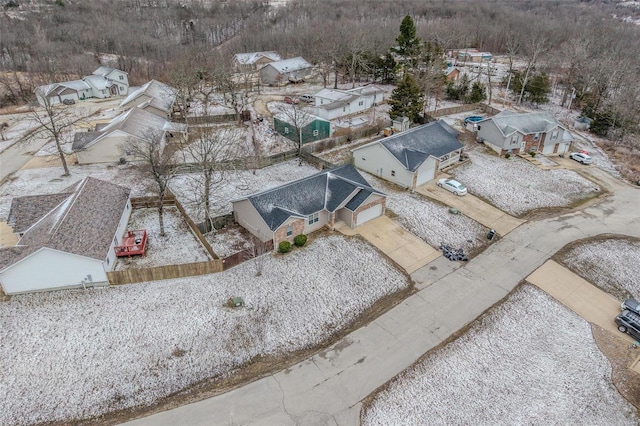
327	388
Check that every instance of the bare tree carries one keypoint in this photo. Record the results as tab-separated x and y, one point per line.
53	121
298	116
232	90
536	46
256	251
211	155
156	162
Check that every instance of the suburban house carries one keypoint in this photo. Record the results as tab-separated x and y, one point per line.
154	97
334	103
104	82
513	132
108	143
309	204
67	239
410	158
254	60
452	74
291	70
309	127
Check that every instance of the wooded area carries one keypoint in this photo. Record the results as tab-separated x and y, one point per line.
585	46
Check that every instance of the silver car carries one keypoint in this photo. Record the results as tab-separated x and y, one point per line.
453	186
581	157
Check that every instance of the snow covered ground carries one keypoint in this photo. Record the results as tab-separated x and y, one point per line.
429	220
229	240
621	257
178	246
528	361
517	186
80	353
49	180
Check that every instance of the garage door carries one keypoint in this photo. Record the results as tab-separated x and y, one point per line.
426	175
548	149
368	214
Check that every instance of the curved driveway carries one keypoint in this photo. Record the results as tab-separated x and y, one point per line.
327	388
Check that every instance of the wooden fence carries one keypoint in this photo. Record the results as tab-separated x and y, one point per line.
131	276
207	119
464	108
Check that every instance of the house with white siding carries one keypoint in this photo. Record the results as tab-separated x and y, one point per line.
104	82
154	97
335	103
512	132
253	61
291	70
309	204
67	239
413	157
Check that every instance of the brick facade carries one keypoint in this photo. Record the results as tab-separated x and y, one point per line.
281	233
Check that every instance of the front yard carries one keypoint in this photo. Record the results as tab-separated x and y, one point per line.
81	353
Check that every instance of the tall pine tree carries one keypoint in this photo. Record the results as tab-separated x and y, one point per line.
407	99
408	44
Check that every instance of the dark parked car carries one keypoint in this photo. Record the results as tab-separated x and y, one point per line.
631	304
629	322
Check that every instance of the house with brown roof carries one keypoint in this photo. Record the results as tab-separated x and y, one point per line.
67	239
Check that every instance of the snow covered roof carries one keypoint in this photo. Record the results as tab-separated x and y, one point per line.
290	65
162	95
527	123
98	81
414	146
135	122
105	71
84	222
75	85
327	190
252	57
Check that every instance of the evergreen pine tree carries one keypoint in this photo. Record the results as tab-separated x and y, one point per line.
408	44
407	99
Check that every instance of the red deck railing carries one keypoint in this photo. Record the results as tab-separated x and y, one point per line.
133	243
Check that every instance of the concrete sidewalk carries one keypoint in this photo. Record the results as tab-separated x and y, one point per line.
473	207
402	247
579	295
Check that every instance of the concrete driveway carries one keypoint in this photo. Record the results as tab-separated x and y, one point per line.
402	247
473	207
579	295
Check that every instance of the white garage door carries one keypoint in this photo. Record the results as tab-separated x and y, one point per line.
426	175
368	214
548	149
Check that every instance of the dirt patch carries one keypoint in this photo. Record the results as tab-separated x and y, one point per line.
621	355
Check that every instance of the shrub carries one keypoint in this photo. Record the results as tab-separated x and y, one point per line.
532	153
507	156
284	247
300	240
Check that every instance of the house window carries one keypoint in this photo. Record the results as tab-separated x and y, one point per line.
536	136
121	77
286	130
393	172
344	109
107	260
514	140
289	230
315	133
313	218
360	103
479	127
554	135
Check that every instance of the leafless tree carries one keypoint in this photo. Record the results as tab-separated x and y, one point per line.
256	251
210	155
298	116
535	47
232	91
155	161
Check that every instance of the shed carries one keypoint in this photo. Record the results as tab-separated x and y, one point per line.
313	128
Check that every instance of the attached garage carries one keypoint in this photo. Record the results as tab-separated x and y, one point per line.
369	214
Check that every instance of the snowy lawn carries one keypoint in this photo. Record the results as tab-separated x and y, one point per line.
429	220
621	257
79	353
237	183
517	187
529	361
178	246
49	180
229	240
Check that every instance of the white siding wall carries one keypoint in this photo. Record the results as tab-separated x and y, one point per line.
427	171
492	136
323	219
110	261
346	216
248	217
268	74
49	269
107	150
115	76
376	160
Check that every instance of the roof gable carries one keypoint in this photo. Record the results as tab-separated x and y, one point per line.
525	123
162	95
290	65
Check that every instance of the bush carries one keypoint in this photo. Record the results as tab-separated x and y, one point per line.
284	247
507	156
300	240
532	153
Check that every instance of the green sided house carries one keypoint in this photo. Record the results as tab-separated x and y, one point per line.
313	127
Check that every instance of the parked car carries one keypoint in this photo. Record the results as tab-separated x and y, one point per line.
68	101
291	100
631	304
453	186
629	322
306	98
581	157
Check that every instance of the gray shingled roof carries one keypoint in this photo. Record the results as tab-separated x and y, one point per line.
27	210
162	95
526	123
290	65
415	145
327	190
84	223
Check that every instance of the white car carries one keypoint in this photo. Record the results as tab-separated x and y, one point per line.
581	157
453	186
306	98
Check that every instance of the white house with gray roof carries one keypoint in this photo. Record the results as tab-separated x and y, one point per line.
252	61
309	204
513	132
335	103
288	70
104	82
413	157
67	239
154	97
108	144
